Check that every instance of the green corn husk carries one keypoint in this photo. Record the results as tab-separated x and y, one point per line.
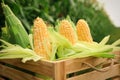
18	34
102	49
10	51
59	42
81	49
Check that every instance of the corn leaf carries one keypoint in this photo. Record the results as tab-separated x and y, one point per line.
10	51
18	34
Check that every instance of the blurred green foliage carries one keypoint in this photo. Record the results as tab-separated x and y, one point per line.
51	10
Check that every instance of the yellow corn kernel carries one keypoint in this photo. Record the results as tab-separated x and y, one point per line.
42	44
67	31
83	31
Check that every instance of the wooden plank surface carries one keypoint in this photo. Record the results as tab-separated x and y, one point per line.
41	67
74	65
59	71
94	75
15	74
77	64
47	68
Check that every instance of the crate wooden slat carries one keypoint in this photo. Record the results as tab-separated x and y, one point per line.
74	65
41	67
59	70
49	67
94	75
15	74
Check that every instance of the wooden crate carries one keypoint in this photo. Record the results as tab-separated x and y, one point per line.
71	69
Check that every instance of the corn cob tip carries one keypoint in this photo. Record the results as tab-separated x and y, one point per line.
65	23
39	22
38	19
82	21
83	31
67	31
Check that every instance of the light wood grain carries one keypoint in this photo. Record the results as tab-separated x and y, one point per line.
47	67
41	67
15	74
77	64
94	75
59	69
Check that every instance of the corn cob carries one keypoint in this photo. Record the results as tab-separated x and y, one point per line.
83	31
16	30
67	31
42	44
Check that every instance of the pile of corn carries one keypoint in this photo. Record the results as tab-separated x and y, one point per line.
42	40
65	40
